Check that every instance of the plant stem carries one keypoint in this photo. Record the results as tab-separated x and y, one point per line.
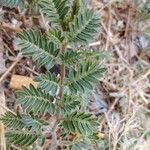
62	72
55	143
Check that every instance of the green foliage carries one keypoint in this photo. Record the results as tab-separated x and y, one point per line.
84	77
143	9
55	36
32	122
69	103
11	3
143	16
80	143
70	58
63	96
36	101
21	138
13	121
31	7
84	27
81	122
20	121
93	55
48	82
75	8
84	144
55	10
35	44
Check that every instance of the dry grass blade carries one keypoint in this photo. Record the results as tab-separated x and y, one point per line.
127	81
2	60
2	128
2	99
10	68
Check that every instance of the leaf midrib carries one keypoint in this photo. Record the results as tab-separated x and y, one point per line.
82	28
37	47
78	120
80	77
40	98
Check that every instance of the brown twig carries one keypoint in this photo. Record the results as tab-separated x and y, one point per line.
17	148
109	111
6	46
6	108
32	71
107	4
10	68
142	77
2	128
10	28
108	28
127	33
130	92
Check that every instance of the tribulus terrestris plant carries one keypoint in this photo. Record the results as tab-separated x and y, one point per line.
29	6
58	105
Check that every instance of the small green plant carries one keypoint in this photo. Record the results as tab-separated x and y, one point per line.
58	96
16	3
31	7
11	3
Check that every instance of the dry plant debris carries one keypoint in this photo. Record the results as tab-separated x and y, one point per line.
128	76
125	88
17	82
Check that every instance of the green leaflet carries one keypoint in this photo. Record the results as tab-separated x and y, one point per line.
73	11
80	143
11	3
12	121
94	55
21	138
69	103
37	45
55	10
36	101
20	121
143	9
75	8
48	82
70	58
84	77
32	122
84	144
84	27
81	122
55	36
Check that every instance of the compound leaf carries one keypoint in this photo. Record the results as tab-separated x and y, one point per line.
48	82
55	10
81	122
11	3
21	138
86	76
35	100
13	121
35	44
84	27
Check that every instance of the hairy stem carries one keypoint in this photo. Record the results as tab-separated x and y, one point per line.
62	73
62	69
55	142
